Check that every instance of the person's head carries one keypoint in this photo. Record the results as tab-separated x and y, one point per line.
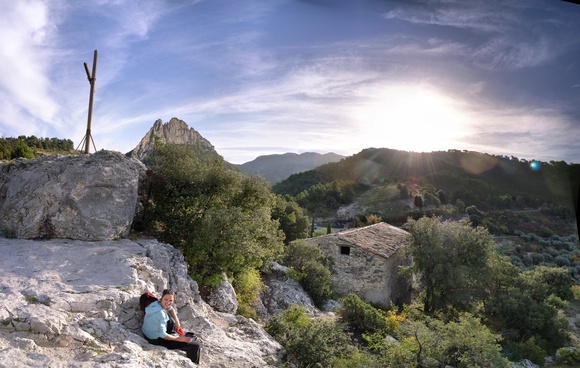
167	299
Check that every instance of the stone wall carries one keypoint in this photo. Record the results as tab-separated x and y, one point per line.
373	278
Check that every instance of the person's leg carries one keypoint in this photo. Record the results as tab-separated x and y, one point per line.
192	350
170	327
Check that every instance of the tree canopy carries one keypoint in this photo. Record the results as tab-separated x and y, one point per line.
451	261
219	217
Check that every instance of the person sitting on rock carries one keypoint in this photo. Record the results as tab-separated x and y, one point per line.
158	327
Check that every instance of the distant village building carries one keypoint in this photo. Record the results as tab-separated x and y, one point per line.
366	262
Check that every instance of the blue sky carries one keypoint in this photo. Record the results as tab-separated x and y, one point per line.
258	77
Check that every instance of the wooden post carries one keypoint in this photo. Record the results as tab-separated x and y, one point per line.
92	77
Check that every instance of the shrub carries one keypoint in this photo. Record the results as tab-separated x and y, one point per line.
525	350
537	258
248	286
568	356
545	232
360	316
358	358
562	261
281	325
309	343
432	343
576	291
556	302
311	269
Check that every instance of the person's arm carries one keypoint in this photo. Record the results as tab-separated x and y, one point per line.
174	318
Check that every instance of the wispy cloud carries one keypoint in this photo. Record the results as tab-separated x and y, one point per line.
503	38
26	34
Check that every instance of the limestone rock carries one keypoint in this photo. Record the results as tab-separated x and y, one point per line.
526	363
71	303
223	298
281	291
85	197
175	131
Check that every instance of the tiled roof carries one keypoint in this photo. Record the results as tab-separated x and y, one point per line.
381	239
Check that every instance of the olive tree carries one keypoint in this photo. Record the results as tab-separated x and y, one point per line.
450	259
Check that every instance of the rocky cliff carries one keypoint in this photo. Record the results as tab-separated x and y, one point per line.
71	303
175	131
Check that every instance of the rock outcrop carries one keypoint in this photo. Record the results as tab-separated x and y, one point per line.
281	291
85	197
175	131
223	298
70	303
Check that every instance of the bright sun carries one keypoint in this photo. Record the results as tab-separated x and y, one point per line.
411	119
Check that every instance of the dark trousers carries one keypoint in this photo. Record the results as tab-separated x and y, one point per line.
192	349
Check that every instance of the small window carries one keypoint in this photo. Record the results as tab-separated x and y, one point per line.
345	251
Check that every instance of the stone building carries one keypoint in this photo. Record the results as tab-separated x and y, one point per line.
366	262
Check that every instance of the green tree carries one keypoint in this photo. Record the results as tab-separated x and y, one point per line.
311	269
21	149
450	259
429	342
292	220
517	307
219	218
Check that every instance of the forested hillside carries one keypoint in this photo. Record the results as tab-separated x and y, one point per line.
433	180
30	147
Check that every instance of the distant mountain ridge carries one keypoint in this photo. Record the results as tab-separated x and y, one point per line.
175	131
277	167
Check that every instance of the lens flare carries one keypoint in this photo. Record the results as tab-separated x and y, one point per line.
535	165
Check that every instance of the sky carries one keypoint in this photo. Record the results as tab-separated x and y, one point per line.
258	77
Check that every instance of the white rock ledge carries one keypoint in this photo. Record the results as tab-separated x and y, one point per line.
72	303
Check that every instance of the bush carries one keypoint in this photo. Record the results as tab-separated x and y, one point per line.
525	350
309	343
360	316
562	261
248	286
432	343
568	356
311	269
556	302
545	232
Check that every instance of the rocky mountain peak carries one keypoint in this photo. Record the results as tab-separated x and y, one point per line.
175	131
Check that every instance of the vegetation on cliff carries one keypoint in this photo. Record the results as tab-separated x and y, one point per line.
31	147
219	218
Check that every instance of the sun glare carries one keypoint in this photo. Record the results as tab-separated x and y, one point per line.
410	119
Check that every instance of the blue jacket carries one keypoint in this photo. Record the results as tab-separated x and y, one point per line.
155	321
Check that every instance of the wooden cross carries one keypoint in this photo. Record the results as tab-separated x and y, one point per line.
92	77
